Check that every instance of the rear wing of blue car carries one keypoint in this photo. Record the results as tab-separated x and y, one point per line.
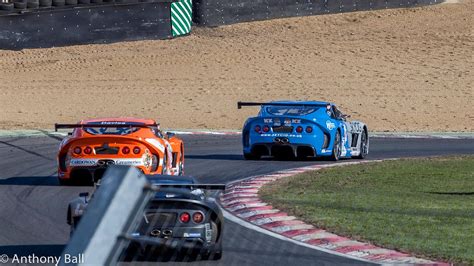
241	104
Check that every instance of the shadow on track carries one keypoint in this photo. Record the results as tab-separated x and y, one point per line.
239	157
46	133
30	181
38	250
229	157
26	150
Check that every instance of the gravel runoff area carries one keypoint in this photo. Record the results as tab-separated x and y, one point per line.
420	206
396	70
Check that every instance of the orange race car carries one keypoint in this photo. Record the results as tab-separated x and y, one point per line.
97	143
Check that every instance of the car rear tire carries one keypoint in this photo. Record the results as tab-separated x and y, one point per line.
213	254
164	169
363	145
336	149
251	156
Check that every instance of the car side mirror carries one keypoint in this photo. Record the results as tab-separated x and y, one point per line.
345	116
170	135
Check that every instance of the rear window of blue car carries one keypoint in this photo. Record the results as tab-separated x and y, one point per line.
291	110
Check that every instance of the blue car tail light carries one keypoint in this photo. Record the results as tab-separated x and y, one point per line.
266	129
309	129
257	128
299	129
184	217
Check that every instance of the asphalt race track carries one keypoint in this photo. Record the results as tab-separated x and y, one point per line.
33	205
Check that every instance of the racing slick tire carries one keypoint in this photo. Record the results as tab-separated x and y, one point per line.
213	254
251	156
336	149
165	163
363	145
180	169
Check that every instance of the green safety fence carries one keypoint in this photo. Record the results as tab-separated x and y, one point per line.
181	17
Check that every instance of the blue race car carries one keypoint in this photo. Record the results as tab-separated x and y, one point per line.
301	129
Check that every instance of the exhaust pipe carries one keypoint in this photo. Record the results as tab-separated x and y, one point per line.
155	232
167	232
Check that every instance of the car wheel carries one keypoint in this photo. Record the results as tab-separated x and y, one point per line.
363	145
165	163
216	253
251	156
180	169
336	149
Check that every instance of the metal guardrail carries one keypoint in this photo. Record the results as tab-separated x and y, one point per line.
116	204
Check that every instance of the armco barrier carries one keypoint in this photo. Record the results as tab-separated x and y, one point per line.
94	23
222	12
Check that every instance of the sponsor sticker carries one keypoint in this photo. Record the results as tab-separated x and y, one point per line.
282	135
93	162
267	120
112	123
191	234
277	122
330	125
83	162
208	232
131	162
296	121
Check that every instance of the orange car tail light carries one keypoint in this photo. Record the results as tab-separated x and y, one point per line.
87	150
136	150
125	150
77	150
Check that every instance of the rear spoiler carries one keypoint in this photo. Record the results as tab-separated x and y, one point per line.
240	104
157	187
109	124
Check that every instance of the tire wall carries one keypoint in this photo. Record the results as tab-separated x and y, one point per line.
86	25
222	12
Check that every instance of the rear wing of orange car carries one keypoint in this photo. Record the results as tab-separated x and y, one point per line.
105	125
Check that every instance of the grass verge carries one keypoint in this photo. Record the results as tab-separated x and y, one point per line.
421	206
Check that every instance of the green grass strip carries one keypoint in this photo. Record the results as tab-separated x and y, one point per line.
421	206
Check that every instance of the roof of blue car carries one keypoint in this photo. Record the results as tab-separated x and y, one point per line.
302	102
